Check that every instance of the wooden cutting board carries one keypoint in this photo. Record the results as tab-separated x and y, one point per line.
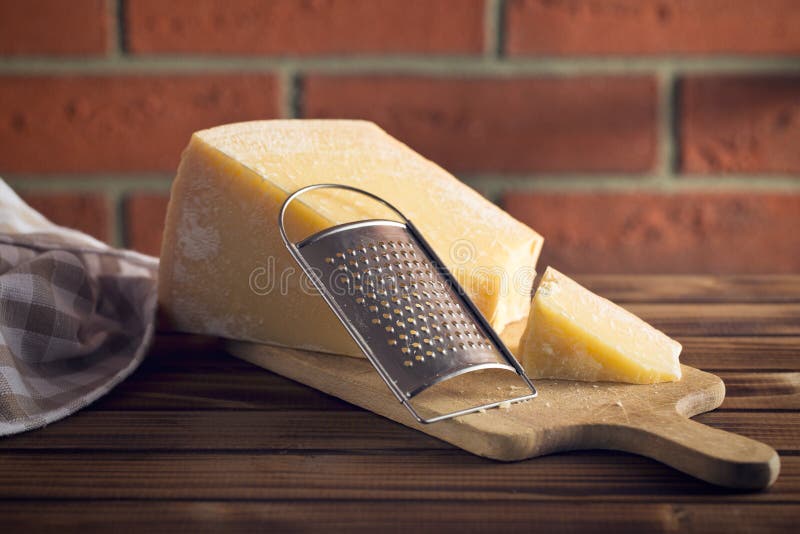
651	420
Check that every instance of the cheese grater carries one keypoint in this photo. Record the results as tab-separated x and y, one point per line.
400	304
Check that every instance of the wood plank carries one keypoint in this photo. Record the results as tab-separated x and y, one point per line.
694	288
174	378
228	385
780	430
721	319
422	475
194	373
298	430
225	431
403	516
771	391
741	353
166	346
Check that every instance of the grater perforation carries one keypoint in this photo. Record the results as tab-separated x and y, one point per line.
400	304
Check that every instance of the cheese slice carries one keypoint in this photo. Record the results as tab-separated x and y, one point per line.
576	335
225	271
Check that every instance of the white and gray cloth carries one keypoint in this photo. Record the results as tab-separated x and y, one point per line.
76	316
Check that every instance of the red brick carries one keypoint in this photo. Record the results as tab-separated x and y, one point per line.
506	125
144	221
87	212
653	27
289	27
704	232
740	124
54	27
120	123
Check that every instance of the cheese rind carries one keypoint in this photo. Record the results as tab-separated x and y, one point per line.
574	334
224	270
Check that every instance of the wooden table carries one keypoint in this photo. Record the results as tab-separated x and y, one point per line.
197	439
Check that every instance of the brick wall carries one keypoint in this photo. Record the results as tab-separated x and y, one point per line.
637	135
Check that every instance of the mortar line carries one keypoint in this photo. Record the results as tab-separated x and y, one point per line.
495	187
298	90
286	92
493	27
444	66
116	11
117	220
124	184
667	146
677	118
89	182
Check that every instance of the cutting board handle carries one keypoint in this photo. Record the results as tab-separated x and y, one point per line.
711	454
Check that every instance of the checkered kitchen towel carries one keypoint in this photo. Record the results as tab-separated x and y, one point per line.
76	317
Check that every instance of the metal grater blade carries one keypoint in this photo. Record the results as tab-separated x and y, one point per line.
400	304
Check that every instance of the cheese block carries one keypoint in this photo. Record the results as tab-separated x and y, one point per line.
225	271
576	335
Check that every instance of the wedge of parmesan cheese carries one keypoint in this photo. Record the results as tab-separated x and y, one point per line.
574	334
225	271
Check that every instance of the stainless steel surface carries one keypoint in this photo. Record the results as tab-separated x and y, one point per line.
403	308
389	290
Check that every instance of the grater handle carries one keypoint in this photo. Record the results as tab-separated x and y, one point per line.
298	257
309	188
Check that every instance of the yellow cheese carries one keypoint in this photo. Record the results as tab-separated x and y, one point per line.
576	335
224	270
